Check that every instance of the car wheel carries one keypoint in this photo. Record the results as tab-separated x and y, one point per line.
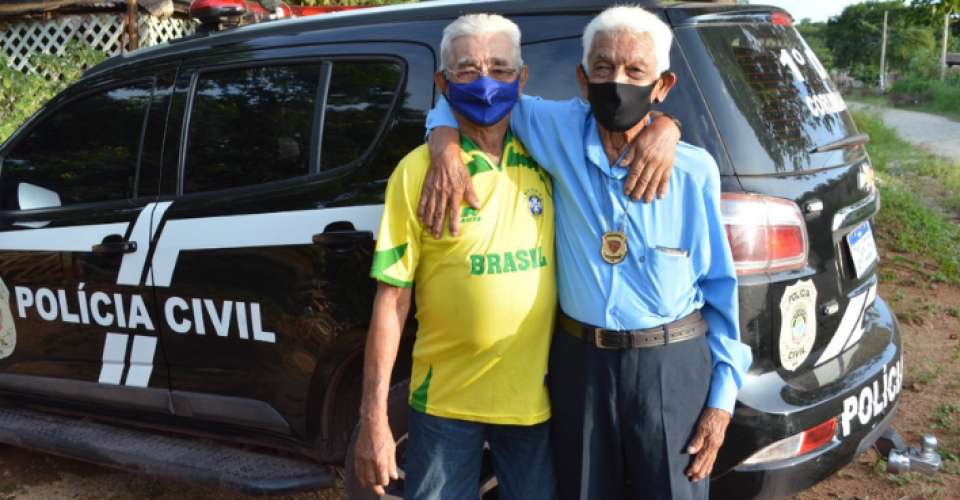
397	411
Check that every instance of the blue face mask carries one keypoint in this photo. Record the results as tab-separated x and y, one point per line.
484	101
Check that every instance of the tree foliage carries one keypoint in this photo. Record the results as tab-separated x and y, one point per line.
22	94
937	8
855	36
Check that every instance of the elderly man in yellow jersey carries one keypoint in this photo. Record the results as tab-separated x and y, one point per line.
486	300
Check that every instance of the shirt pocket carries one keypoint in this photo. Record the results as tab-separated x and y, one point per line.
670	273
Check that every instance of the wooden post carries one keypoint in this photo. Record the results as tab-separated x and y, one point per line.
943	55
133	26
883	54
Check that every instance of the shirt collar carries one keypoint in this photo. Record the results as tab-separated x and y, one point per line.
593	150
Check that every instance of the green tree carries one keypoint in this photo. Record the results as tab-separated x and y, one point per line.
21	94
932	11
855	35
905	42
937	7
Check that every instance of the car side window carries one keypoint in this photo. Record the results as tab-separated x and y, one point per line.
85	151
251	125
255	125
360	96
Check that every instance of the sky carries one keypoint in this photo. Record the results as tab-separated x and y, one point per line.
816	10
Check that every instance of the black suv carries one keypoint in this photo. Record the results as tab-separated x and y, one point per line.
186	236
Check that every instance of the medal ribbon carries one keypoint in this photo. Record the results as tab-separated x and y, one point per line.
600	183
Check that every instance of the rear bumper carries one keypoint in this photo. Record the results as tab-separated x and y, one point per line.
864	399
789	477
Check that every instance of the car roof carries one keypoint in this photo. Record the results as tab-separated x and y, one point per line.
366	23
439	10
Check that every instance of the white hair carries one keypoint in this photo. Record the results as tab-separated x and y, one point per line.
635	21
476	25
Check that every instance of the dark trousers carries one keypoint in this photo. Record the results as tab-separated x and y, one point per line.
622	419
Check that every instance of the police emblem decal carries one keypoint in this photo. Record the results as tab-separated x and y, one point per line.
8	330
798	323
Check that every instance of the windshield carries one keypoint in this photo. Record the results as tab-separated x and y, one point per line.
771	98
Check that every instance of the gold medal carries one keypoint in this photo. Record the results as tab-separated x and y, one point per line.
613	244
614	247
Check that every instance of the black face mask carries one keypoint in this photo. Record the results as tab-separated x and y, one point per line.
618	107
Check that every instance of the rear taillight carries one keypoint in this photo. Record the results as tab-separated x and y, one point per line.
766	234
796	445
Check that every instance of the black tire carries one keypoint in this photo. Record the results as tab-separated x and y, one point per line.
398	409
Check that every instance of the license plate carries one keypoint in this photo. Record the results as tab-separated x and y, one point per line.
863	248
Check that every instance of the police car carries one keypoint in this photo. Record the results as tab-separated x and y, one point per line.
186	236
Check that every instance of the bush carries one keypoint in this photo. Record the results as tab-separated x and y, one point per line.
946	95
921	83
21	94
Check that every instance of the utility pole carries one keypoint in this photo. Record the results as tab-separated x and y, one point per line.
883	54
943	55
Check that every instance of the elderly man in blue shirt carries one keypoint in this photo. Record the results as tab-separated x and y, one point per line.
646	361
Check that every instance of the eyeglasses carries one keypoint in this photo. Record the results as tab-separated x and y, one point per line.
499	73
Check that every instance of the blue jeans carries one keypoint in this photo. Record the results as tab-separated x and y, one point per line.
444	458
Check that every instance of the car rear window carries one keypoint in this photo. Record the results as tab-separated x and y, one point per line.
771	98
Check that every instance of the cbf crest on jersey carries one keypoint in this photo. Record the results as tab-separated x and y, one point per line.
8	331
535	202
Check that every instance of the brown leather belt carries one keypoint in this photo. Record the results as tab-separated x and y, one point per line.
686	328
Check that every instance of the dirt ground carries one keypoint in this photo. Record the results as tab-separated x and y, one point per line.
932	381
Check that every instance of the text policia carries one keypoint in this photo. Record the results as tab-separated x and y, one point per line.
129	311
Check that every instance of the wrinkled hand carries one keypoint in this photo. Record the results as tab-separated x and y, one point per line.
375	459
651	160
446	185
706	442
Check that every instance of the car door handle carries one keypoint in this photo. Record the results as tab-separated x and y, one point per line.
342	237
111	244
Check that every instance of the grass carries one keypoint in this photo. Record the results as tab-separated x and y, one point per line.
946	417
928	375
946	100
919	228
9	491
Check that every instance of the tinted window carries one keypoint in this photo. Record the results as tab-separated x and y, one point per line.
771	98
360	96
250	126
86	151
551	76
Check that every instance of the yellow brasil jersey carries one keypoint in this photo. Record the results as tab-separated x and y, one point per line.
485	299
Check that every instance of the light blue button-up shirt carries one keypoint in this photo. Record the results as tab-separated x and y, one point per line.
678	258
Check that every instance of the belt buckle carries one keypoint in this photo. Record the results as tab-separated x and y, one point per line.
596	339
